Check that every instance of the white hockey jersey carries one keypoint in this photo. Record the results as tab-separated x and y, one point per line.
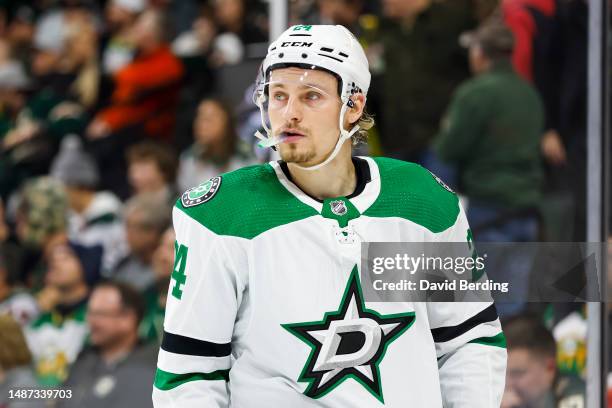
265	307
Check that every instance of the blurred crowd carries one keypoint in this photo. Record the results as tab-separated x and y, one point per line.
109	109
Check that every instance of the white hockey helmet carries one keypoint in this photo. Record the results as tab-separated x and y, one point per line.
331	48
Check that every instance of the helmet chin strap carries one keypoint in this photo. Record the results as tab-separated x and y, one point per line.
265	140
343	137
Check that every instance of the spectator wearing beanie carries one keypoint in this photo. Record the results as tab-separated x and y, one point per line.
40	222
95	216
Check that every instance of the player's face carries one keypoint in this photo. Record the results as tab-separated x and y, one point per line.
529	376
304	108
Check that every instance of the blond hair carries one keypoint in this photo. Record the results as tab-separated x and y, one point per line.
14	350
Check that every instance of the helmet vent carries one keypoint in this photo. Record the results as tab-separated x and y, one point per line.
325	49
343	55
329	56
300	35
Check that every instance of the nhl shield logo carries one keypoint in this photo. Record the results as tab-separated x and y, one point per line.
202	193
338	207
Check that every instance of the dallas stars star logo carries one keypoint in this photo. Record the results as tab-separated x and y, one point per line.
348	343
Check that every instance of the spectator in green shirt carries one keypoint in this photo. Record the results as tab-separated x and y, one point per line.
491	134
493	126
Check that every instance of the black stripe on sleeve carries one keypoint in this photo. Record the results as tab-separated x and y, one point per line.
175	343
442	334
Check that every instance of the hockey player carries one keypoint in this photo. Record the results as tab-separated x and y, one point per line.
265	306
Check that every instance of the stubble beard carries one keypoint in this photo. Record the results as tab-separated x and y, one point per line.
293	154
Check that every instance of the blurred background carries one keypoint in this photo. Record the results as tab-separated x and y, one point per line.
110	109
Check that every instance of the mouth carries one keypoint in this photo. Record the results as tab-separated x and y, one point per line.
290	135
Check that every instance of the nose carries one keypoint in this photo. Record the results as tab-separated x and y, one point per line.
293	110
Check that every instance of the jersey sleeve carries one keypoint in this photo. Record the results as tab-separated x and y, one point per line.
204	295
469	342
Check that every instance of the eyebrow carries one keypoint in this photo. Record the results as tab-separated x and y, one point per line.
304	85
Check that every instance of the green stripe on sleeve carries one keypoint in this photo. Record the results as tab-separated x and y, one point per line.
166	381
498	340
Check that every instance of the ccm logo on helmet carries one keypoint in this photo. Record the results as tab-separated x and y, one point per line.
296	44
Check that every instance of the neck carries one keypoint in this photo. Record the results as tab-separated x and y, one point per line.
149	48
82	200
73	295
162	299
235	25
157	187
114	352
335	179
217	151
145	255
500	64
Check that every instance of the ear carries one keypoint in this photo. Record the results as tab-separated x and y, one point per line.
353	113
551	364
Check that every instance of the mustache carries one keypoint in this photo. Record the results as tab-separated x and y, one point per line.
293	128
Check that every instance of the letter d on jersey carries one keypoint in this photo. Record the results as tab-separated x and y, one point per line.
348	343
331	356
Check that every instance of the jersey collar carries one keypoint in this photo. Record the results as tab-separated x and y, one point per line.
366	191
